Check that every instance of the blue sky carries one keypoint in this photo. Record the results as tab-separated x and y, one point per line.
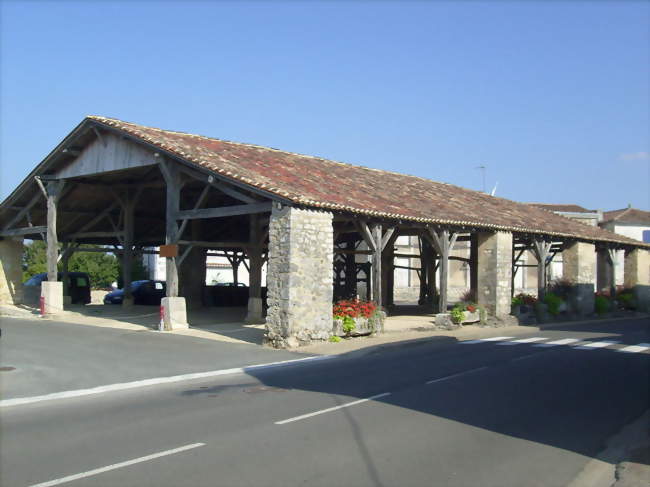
552	97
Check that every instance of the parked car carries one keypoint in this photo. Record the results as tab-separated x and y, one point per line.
78	287
144	292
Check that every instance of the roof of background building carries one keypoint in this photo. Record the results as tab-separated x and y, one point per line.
562	208
321	183
628	215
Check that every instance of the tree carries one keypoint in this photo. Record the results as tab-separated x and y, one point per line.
34	259
102	268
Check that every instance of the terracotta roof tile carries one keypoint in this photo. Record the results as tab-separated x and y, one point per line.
321	183
563	208
628	215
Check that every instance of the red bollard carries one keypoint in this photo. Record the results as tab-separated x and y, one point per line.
41	304
161	325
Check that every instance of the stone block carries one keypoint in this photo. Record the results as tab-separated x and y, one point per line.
52	295
174	314
300	276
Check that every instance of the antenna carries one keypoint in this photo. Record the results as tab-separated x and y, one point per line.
482	168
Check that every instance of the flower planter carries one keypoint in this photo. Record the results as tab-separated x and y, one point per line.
362	326
472	317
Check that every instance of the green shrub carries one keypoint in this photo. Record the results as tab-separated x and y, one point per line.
457	314
601	303
348	325
627	300
553	301
335	339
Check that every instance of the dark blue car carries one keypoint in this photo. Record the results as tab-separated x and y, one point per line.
144	292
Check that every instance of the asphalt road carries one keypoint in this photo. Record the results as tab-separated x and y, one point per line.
51	356
489	413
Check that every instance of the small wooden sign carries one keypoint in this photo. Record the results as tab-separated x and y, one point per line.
169	250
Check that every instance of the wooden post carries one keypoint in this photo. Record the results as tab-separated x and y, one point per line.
473	264
443	241
376	265
255	305
173	183
350	269
541	249
611	254
53	191
127	255
424	269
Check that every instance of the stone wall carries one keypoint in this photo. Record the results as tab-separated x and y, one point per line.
300	277
11	272
495	272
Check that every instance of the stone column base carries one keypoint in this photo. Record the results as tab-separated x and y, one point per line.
174	314
255	314
52	294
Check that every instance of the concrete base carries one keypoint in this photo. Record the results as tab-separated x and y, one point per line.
127	302
174	314
255	314
52	294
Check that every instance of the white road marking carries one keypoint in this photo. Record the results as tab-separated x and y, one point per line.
149	382
441	379
90	473
523	340
555	343
483	340
526	356
641	347
328	410
595	345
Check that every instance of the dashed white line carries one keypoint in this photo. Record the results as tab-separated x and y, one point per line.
555	343
523	340
483	340
328	410
108	468
527	356
595	345
441	379
641	347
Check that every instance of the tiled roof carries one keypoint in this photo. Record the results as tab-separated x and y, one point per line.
628	215
562	208
321	183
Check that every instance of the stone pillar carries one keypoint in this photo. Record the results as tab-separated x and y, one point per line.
300	276
494	272
52	289
11	272
579	266
637	276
